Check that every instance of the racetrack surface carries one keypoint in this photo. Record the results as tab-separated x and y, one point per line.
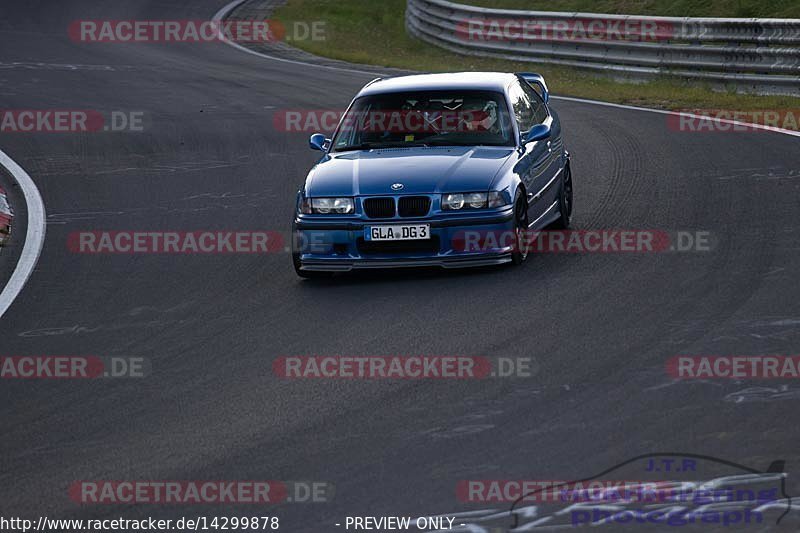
600	326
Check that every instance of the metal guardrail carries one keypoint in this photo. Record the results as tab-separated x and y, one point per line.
761	55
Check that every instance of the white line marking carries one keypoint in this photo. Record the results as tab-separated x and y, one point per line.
34	238
680	113
222	13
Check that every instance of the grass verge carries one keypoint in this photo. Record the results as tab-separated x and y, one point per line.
373	32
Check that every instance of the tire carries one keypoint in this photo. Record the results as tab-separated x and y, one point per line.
565	201
520	253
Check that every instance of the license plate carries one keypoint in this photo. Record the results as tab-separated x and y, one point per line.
410	232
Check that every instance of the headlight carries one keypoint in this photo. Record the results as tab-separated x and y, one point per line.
475	200
472	200
497	199
328	206
453	201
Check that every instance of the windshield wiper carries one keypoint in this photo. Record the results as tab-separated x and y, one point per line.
443	140
386	144
362	146
424	143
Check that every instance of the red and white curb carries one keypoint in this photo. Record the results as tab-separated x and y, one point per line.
6	217
34	235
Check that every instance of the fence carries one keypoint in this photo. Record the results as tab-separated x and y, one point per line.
761	55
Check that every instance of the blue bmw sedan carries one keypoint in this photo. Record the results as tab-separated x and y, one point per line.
446	170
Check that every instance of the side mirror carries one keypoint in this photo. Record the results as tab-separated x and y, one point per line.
537	133
319	142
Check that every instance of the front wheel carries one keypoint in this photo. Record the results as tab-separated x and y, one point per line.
565	201
520	253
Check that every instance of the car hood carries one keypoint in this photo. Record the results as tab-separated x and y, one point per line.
420	170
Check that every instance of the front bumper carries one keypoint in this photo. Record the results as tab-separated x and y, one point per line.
327	244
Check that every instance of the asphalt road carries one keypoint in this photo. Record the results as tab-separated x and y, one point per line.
600	326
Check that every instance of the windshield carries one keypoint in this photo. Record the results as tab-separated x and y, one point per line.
426	118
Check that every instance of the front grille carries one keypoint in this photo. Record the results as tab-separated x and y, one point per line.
413	206
379	207
426	246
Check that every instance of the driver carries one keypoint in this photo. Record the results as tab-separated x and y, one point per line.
479	115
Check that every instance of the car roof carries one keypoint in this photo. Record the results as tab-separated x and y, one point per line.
488	81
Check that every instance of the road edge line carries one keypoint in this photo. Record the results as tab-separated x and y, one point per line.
226	10
679	114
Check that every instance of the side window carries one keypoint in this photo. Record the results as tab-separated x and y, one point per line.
539	107
522	107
